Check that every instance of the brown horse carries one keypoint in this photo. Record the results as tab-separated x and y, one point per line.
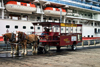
28	39
12	40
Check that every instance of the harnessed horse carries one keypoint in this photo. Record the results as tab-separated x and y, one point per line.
12	40
28	39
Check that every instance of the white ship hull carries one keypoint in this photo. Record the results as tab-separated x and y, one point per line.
20	24
12	23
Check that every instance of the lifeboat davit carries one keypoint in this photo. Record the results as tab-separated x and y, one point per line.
20	7
50	11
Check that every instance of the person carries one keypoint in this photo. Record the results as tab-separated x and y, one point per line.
46	31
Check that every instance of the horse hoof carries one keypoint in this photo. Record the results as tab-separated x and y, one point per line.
11	53
35	52
15	53
25	54
32	53
22	54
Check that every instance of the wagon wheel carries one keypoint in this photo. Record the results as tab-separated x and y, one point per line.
58	48
46	48
74	47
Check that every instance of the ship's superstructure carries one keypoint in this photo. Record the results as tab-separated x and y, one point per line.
18	15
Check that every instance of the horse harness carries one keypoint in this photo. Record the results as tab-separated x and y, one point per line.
13	37
24	38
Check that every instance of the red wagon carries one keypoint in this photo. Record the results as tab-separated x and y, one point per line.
59	34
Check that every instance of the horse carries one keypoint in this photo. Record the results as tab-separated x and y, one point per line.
12	40
25	39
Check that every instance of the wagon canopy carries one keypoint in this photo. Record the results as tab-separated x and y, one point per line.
48	24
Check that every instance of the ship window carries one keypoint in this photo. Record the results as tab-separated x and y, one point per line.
91	35
73	22
98	30
95	30
95	24
88	35
16	27
38	17
38	28
91	24
44	19
85	14
69	21
50	18
7	26
31	27
24	27
88	15
55	19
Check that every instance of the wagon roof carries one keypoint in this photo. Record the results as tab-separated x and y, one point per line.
46	23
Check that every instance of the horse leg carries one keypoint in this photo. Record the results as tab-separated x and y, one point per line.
36	48
15	49
22	49
32	49
25	48
11	49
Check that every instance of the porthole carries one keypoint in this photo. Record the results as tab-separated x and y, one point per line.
24	27
31	27
16	27
7	26
88	35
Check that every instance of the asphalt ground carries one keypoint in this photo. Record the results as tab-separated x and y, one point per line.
82	57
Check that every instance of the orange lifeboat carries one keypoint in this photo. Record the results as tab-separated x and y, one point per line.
20	7
54	11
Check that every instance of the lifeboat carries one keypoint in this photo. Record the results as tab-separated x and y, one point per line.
50	11
20	7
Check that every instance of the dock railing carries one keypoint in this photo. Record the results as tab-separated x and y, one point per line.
92	41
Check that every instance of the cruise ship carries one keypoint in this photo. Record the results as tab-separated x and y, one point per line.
18	15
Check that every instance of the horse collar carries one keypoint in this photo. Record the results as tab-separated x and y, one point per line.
12	37
23	36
